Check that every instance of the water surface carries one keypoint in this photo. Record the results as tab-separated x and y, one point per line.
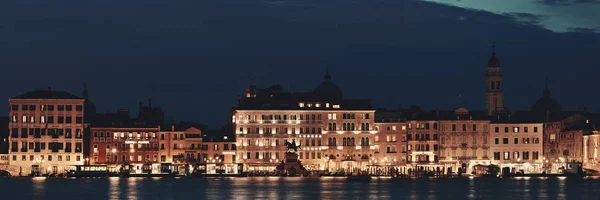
297	188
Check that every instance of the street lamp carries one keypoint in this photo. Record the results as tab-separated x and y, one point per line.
87	161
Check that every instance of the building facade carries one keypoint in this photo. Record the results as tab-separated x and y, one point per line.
334	133
517	145
46	132
464	141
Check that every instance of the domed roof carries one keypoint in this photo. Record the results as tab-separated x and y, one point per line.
328	90
546	104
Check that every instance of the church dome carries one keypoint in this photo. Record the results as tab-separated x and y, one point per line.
328	90
546	104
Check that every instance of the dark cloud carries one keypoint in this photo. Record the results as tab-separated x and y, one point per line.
193	57
527	18
566	2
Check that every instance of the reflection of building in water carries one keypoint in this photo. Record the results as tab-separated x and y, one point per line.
46	131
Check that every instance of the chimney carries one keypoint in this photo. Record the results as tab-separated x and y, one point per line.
150	102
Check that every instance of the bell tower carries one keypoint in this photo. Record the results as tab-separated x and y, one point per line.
494	97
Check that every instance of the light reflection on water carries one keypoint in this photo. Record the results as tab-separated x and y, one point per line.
298	188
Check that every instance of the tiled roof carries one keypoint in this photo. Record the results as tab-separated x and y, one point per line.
46	94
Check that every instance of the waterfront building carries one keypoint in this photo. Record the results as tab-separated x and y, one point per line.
517	143
221	151
46	131
464	140
122	144
591	143
390	141
423	143
334	133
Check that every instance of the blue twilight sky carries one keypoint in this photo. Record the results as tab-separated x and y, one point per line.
193	57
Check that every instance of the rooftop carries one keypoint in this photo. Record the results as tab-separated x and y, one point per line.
46	94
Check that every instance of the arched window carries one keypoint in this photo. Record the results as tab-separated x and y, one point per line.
464	127
352	128
366	141
334	142
362	126
352	144
329	142
367	126
362	141
493	85
329	127
498	85
344	142
334	126
426	147
343	126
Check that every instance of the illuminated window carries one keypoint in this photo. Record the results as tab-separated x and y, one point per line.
326	105
515	129
336	106
309	105
318	105
403	127
394	128
24	119
301	105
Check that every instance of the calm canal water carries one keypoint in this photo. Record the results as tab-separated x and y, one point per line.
297	188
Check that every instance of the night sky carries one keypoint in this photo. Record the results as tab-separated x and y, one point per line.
193	57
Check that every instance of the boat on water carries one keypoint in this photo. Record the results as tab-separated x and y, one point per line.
89	171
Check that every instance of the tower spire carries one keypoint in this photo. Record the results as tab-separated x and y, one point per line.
85	94
327	76
546	89
493	48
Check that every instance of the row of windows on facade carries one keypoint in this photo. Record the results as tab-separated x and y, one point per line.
39	146
128	135
15	107
423	136
452	153
331	116
199	157
516	156
39	132
516	129
364	141
317	105
463	139
201	146
123	146
42	158
421	147
132	158
534	140
348	127
46	119
279	130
